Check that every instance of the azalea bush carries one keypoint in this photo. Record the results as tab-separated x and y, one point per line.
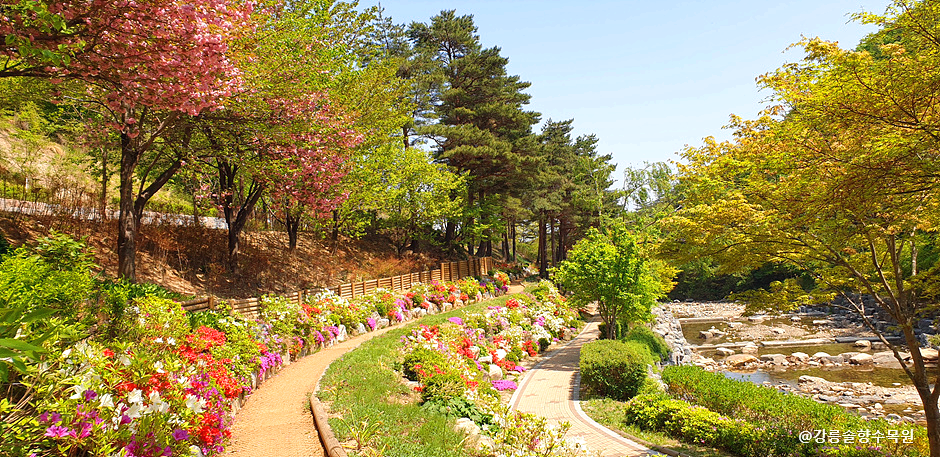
474	357
145	378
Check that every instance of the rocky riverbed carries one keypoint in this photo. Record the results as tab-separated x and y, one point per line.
718	337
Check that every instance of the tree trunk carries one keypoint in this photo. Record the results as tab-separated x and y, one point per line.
514	241
551	224
505	246
103	203
543	248
562	252
127	222
335	235
292	223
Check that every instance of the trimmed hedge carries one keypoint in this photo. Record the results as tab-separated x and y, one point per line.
694	424
614	369
656	344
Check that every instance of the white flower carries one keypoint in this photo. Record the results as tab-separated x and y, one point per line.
154	396
134	411
195	404
171	341
106	401
159	367
125	360
135	396
158	340
79	390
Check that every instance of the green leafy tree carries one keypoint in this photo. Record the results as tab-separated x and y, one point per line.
612	269
839	181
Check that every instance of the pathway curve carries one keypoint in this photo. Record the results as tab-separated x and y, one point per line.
276	420
550	389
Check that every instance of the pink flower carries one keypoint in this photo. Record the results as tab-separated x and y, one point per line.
58	431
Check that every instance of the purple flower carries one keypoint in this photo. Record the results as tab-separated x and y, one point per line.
518	368
180	434
371	323
85	429
504	384
125	419
456	320
57	431
55	418
44	417
90	395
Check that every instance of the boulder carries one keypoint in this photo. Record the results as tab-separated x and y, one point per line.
486	358
382	323
930	354
756	319
811	379
495	372
705	334
864	345
360	329
738	360
795	319
724	352
799	357
820	355
821	322
776	359
862	359
750	348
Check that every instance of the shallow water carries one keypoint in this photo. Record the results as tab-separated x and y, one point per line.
885	377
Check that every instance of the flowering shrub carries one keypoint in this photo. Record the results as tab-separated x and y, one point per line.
454	360
164	383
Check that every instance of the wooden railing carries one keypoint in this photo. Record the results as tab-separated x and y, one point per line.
448	271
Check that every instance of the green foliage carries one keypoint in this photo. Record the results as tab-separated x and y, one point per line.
5	247
458	407
612	270
150	318
421	359
698	425
116	294
613	368
655	343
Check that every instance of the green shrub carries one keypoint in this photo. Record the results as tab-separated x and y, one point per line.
421	359
613	368
656	344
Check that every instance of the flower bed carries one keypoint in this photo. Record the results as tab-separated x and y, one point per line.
168	383
467	361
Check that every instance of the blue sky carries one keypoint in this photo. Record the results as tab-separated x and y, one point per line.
647	77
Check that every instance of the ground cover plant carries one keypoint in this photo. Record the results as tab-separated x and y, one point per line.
750	420
450	357
97	367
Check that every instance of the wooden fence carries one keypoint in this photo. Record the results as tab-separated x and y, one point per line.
448	271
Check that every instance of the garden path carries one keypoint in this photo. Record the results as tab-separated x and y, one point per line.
550	389
276	420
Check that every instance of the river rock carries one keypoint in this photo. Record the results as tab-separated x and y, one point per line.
495	372
795	319
864	345
821	322
487	358
723	351
776	359
737	360
800	357
778	331
861	359
810	379
756	319
820	355
343	334
750	348
705	334
382	323
930	354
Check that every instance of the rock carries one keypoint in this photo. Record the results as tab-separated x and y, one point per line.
864	345
930	354
495	372
735	324
486	444
467	426
343	334
795	319
813	379
724	352
738	360
893	417
756	319
862	359
877	407
800	357
487	358
705	334
501	354
360	329
821	322
382	323
778	331
776	359
820	355
887	359
848	405
750	348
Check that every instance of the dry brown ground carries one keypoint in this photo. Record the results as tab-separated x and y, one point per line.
191	260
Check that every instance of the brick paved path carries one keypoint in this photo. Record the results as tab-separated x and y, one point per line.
550	390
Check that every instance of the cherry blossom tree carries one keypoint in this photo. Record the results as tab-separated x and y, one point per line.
147	64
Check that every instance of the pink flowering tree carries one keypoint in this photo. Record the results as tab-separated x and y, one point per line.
147	65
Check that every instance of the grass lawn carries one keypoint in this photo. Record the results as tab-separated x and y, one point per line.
380	414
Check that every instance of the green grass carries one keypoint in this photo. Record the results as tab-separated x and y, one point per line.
378	410
609	413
